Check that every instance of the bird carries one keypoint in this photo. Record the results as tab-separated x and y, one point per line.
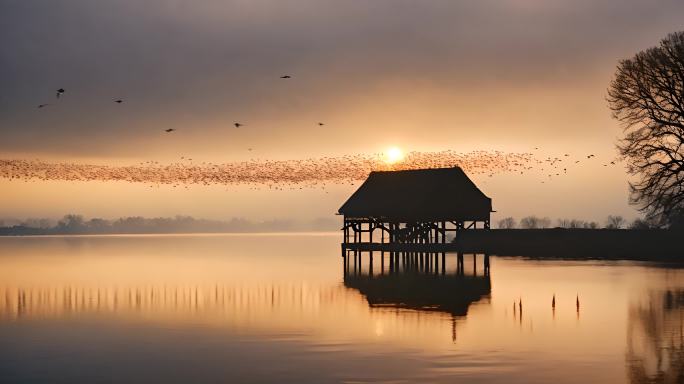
320	124
238	125
169	130
577	303
553	301
60	92
286	77
118	101
42	105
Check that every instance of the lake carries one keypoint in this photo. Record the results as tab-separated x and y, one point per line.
278	308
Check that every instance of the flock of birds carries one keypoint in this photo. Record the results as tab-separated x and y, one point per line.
280	174
60	92
292	174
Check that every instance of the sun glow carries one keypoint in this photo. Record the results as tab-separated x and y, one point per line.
393	155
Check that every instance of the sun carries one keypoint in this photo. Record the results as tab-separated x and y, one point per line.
393	155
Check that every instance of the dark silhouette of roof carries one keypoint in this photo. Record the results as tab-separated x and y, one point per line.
446	293
419	195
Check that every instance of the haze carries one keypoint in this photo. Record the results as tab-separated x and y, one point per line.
416	75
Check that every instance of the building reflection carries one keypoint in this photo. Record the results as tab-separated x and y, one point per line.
446	290
655	338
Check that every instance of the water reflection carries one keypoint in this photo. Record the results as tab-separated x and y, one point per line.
655	345
199	301
285	299
421	290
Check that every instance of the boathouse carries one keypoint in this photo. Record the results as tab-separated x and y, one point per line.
415	206
412	211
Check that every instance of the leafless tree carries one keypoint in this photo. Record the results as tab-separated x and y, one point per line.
641	224
647	97
564	223
507	223
615	222
534	222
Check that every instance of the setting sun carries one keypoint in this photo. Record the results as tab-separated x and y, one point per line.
393	155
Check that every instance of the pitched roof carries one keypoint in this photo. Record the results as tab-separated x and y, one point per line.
421	194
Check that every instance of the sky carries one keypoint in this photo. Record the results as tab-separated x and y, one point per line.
431	75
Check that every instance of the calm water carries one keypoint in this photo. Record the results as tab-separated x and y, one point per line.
274	308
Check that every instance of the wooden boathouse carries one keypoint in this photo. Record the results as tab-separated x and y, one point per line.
413	215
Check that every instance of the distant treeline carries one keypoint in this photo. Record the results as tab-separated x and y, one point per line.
611	222
77	225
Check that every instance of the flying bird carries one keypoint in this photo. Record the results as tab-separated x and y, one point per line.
169	130
286	77
118	101
320	124
60	92
42	105
238	125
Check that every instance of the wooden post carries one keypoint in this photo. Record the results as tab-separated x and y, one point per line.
382	249
370	241
370	264
474	264
344	265
459	263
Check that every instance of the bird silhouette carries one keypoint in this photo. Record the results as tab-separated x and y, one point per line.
320	124
118	101
286	77
238	125
553	301
60	92
577	303
42	105
169	130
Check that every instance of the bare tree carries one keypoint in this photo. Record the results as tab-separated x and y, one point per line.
534	222
615	222
544	222
641	224
564	223
647	97
507	223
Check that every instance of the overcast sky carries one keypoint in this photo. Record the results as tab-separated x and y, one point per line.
422	75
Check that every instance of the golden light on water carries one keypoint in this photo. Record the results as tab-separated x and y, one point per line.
393	155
